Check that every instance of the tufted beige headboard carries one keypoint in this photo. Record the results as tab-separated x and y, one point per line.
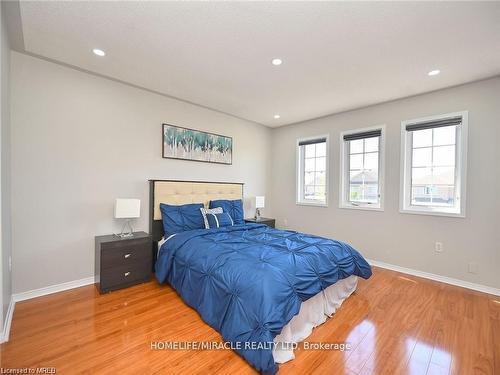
183	192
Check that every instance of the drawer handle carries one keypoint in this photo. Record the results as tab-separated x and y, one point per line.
126	274
127	255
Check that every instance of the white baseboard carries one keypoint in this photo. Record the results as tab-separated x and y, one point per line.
432	276
7	322
52	289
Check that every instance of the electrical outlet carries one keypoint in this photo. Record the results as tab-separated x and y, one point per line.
10	263
438	247
473	268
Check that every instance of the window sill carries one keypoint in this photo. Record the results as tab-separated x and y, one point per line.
361	207
313	204
413	211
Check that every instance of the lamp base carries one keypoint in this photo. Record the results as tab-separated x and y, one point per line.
257	214
130	232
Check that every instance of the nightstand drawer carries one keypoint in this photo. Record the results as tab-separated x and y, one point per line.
126	254
121	276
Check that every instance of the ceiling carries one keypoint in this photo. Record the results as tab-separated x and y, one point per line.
336	55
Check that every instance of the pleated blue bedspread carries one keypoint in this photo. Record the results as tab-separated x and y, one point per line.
248	281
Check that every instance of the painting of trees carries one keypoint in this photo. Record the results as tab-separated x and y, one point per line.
189	144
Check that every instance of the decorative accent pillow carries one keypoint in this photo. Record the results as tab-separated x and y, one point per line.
233	207
219	220
205	211
181	218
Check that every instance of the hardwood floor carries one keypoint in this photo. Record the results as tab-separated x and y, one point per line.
395	323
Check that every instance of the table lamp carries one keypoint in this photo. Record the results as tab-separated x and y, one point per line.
259	203
127	209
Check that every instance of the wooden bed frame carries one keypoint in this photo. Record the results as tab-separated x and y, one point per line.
177	192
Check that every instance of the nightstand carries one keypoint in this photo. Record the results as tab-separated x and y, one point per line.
122	262
263	220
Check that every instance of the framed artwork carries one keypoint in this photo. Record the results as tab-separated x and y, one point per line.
189	144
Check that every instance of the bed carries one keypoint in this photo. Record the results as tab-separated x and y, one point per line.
261	288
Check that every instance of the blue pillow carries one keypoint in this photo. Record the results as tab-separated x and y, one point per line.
233	208
219	220
178	219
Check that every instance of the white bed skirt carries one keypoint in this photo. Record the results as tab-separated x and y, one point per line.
313	312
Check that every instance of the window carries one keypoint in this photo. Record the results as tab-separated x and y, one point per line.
312	171
434	152
362	167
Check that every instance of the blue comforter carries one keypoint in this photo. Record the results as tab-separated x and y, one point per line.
248	281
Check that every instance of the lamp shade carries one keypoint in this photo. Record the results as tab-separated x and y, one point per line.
127	208
260	202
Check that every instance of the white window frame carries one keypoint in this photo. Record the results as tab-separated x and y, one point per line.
344	171
299	176
460	168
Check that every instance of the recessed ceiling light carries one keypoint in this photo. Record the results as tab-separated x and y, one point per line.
277	116
434	72
277	61
98	52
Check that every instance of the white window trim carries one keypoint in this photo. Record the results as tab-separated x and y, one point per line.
299	175
460	165
343	202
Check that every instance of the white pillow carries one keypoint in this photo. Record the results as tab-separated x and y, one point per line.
205	211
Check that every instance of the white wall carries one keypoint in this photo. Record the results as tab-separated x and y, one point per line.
403	239
5	228
80	141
